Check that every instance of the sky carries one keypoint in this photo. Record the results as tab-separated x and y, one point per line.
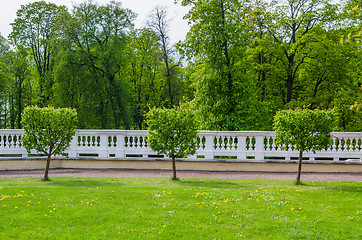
178	26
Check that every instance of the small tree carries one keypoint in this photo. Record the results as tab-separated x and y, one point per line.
48	131
172	132
305	130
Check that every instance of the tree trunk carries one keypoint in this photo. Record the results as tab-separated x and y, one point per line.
47	168
174	168
299	167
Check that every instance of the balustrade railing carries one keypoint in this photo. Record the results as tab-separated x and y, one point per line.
212	145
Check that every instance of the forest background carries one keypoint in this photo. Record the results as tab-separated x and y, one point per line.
240	62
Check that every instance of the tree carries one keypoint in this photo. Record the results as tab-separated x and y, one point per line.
293	31
49	131
217	42
34	28
172	132
4	49
303	130
96	40
159	24
18	69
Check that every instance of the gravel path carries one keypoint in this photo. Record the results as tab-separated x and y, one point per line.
306	176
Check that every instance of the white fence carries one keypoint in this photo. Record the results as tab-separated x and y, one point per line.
213	145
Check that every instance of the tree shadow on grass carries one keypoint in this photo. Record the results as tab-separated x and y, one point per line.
81	182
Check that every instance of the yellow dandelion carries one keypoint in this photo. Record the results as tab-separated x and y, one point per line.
164	225
45	214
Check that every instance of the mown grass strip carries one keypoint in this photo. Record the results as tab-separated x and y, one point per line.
156	208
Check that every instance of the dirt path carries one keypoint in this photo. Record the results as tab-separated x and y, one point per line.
348	177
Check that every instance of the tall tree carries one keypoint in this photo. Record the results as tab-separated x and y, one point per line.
34	28
145	73
97	36
217	42
159	23
292	28
4	49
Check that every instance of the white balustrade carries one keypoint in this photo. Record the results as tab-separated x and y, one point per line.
212	145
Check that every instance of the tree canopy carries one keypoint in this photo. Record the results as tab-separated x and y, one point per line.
240	63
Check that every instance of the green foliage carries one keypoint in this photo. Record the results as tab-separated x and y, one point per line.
34	28
217	42
348	118
303	130
246	60
306	130
92	63
172	132
145	74
49	131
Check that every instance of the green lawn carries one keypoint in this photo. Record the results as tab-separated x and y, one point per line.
156	208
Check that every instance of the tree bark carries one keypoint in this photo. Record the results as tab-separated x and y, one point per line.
174	168
47	168
299	167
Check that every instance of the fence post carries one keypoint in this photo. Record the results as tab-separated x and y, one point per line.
209	146
241	153
103	149
259	148
72	150
121	151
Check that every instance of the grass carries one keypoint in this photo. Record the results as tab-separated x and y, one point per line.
156	208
